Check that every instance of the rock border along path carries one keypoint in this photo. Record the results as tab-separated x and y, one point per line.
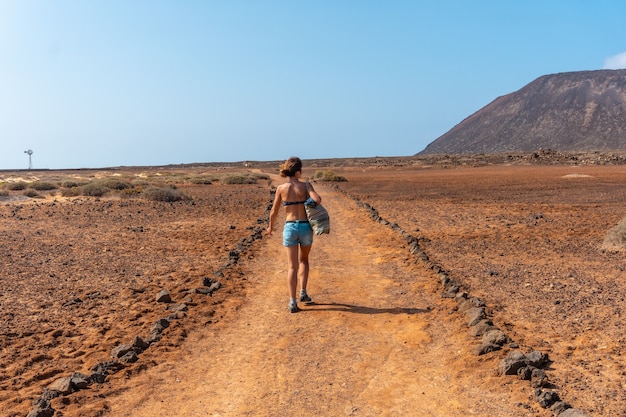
529	366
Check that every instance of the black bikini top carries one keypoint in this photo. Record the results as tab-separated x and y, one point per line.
291	203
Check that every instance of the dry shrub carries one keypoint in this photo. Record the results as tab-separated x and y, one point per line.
16	186
202	179
615	239
42	186
94	189
71	192
328	176
239	179
166	194
31	193
114	183
71	184
130	192
243	178
100	187
141	183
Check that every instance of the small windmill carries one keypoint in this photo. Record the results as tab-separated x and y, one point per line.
30	158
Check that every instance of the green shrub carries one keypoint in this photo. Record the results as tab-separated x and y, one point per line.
328	176
166	194
42	186
16	186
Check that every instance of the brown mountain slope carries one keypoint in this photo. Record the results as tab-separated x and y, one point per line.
575	111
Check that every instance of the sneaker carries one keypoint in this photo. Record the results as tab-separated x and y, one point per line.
305	297
293	307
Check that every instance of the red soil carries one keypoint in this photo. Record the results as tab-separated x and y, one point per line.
79	276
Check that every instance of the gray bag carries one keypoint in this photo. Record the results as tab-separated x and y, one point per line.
317	215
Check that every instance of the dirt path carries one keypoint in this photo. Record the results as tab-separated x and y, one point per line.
379	341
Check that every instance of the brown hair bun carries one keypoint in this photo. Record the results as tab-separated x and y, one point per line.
290	167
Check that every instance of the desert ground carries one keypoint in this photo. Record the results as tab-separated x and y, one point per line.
82	332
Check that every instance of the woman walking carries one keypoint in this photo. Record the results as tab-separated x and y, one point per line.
297	232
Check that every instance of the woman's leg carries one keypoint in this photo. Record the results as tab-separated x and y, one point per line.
292	270
303	270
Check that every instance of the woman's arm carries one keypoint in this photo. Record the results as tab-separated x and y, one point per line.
274	212
313	194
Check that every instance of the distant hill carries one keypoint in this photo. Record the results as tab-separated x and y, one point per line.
574	111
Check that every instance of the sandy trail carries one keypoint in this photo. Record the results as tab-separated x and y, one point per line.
378	341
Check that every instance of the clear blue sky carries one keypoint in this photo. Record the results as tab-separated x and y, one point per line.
102	83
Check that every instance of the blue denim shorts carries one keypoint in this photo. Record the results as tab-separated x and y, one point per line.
297	232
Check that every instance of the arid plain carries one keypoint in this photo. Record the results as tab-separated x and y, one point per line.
80	274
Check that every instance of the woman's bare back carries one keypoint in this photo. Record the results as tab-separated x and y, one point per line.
293	191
